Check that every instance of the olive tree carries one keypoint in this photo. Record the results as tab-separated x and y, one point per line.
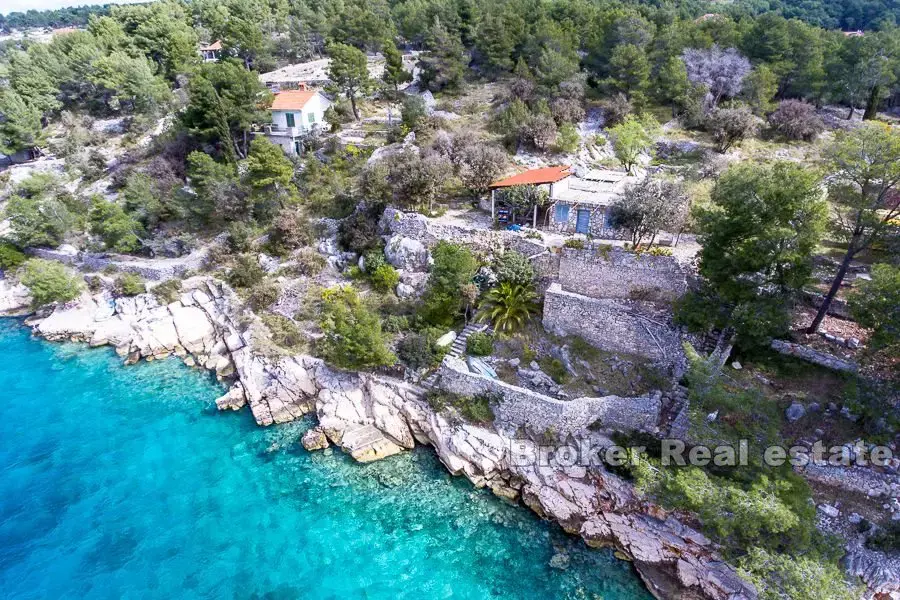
647	207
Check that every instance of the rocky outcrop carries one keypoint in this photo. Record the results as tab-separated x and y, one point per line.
370	417
314	439
15	299
407	254
197	327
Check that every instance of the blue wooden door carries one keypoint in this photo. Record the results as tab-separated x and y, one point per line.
583	222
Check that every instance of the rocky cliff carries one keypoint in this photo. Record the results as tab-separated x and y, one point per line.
371	417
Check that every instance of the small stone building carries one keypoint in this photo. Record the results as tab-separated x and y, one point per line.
577	203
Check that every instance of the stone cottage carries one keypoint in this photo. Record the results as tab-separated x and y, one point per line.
577	203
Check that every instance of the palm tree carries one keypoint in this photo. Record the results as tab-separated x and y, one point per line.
509	307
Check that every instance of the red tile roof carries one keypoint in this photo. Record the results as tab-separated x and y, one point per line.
292	99
535	177
216	45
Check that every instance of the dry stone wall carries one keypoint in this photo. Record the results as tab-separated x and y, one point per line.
429	232
615	325
615	273
538	413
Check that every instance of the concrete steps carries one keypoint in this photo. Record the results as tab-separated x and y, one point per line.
366	443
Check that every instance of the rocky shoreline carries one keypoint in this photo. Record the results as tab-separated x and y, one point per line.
372	416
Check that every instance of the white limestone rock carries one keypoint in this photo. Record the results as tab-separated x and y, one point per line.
407	254
15	299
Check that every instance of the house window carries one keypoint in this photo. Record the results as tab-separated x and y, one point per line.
312	117
562	213
290	119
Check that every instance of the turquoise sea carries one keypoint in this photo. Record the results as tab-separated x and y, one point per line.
126	483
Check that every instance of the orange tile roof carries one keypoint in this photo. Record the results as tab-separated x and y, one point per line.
535	177
292	99
216	45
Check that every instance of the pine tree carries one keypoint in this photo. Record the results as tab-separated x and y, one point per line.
349	72
443	65
394	73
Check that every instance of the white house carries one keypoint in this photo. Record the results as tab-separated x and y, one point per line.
295	114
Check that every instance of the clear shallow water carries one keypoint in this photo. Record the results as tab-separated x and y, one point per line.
126	483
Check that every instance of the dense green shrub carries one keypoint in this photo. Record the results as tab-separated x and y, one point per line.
373	260
795	577
240	237
417	349
774	510
38	221
130	284
114	226
574	243
49	282
353	338
514	267
385	278
395	323
359	232
480	344
246	272
10	257
454	267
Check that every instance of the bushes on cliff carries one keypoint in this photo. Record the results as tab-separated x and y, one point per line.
114	226
290	230
453	270
794	577
385	278
417	350
167	292
353	338
49	282
477	409
10	257
246	272
130	284
480	344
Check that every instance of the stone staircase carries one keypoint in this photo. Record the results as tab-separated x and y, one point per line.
457	349
366	443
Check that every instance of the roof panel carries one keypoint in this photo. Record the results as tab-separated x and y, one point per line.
292	99
535	177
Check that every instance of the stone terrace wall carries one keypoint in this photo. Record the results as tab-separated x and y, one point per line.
615	325
425	230
615	273
538	413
